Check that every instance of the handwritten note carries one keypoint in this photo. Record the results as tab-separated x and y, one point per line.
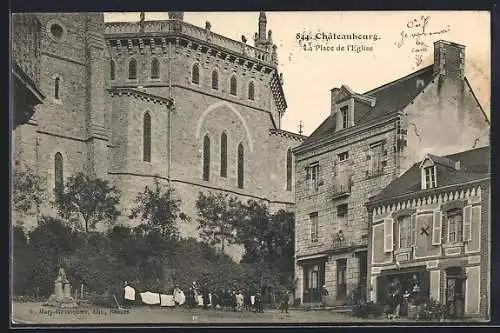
418	33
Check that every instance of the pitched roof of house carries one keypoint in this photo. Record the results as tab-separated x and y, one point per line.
390	98
474	165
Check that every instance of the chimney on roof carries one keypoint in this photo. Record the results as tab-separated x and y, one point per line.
449	59
333	101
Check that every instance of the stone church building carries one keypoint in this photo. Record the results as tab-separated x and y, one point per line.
368	140
131	102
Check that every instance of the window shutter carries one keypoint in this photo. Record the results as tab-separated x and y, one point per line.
414	230
308	173
436	228
467	218
388	234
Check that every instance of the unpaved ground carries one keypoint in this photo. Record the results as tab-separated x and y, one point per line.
35	313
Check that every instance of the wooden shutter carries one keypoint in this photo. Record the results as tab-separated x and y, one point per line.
437	227
467	218
413	229
388	234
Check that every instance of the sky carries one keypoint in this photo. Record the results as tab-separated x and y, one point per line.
404	44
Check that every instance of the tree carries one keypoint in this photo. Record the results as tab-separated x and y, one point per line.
27	191
218	214
90	198
268	240
158	207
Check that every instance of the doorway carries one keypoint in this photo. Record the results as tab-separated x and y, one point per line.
314	279
455	292
341	279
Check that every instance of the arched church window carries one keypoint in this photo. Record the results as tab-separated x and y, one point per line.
147	138
132	69
206	158
155	69
251	91
57	82
195	75
233	85
241	161
223	155
58	175
215	80
112	69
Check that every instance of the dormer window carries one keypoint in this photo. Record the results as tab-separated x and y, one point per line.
344	114
430	177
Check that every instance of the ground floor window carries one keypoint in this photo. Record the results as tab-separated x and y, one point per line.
314	279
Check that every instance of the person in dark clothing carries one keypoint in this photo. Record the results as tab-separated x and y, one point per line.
323	294
206	297
284	301
247	301
258	303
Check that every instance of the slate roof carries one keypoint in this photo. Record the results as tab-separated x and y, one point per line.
474	165
390	98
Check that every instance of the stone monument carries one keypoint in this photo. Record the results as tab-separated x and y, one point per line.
62	292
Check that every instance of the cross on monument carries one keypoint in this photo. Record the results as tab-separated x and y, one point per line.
300	127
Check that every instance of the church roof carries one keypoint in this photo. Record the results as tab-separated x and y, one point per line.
474	165
388	99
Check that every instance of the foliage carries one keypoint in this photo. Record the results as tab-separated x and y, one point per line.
27	190
367	310
269	239
218	215
53	241
20	257
89	197
160	210
431	309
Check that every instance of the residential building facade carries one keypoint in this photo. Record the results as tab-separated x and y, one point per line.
131	102
432	225
367	141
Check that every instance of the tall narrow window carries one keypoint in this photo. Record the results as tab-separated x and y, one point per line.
58	175
233	86
289	161
206	158
241	161
147	138
430	177
155	69
112	70
405	232
195	75
132	69
223	155
56	87
251	91
455	226
215	80
344	111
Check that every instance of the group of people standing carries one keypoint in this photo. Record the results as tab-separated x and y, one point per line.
225	299
398	300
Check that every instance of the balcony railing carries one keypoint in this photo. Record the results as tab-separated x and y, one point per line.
174	26
340	189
